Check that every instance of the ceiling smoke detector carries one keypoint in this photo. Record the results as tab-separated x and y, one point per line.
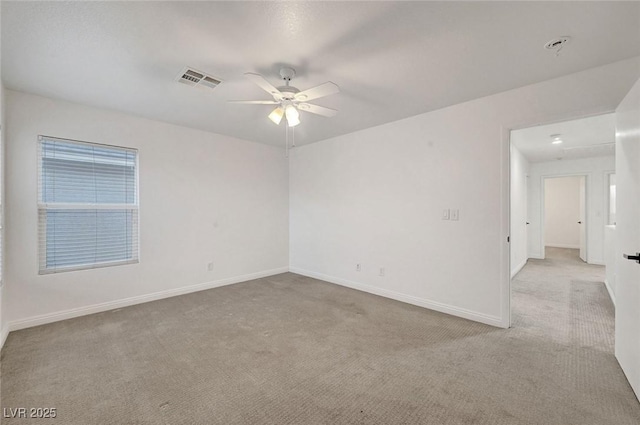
557	43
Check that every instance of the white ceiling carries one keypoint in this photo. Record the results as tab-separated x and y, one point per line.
391	59
581	138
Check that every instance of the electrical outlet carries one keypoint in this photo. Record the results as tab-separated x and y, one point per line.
358	267
445	214
455	215
210	266
381	271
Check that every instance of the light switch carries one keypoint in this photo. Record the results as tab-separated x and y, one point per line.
455	214
445	214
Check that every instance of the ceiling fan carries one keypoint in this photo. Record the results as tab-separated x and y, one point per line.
289	99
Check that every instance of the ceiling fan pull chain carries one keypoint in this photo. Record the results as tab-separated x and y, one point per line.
293	135
286	141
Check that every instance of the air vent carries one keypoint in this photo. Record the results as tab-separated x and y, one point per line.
191	77
209	82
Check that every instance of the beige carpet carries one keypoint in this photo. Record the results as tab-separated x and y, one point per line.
294	350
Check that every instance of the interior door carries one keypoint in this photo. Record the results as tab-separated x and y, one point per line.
628	236
582	220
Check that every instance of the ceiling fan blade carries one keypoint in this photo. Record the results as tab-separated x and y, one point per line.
254	102
319	110
318	91
263	84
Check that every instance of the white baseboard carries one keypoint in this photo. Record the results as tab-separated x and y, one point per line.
517	269
98	308
559	245
4	333
536	257
409	299
612	295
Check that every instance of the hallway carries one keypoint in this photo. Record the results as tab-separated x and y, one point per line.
562	296
562	300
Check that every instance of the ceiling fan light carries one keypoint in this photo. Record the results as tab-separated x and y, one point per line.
293	116
293	121
276	115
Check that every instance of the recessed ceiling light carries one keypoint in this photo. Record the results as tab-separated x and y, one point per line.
555	139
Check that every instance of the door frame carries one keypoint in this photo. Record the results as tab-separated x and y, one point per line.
607	194
505	203
543	218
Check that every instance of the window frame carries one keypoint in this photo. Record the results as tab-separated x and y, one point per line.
47	206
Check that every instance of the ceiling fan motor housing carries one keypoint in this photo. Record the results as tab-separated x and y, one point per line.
288	92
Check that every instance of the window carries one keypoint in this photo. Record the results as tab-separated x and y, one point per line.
87	205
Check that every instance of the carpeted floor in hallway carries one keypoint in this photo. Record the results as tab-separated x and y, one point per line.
294	350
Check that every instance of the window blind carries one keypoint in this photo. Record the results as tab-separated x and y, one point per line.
87	205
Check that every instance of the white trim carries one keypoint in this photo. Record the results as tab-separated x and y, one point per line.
4	333
536	257
607	198
560	245
409	299
110	305
612	295
505	227
519	267
88	266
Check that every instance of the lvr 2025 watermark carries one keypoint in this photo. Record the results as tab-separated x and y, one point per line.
29	412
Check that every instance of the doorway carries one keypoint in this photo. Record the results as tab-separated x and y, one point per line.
564	206
611	185
567	162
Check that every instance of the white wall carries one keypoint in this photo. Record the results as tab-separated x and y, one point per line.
519	179
595	169
562	212
203	197
4	330
376	196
